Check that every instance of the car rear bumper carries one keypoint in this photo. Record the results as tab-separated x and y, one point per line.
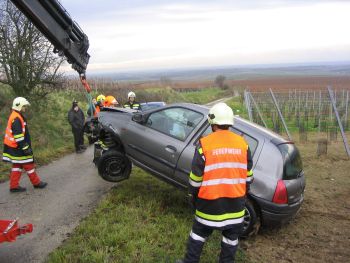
276	214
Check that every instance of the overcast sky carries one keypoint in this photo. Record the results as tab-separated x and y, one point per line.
153	34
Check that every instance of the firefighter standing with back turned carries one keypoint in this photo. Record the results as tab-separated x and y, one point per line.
221	173
18	149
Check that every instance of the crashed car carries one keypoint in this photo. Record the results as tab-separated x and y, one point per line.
162	142
146	106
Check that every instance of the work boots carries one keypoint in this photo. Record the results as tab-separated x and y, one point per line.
18	189
40	185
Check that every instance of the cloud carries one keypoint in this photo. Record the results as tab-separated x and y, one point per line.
156	33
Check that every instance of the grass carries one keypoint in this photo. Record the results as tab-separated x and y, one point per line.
141	220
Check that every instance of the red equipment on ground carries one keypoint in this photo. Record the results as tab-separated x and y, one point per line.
9	230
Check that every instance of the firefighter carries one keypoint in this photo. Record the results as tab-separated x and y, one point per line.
131	103
18	149
221	172
76	119
96	105
110	101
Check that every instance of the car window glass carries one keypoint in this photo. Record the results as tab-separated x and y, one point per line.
175	122
253	143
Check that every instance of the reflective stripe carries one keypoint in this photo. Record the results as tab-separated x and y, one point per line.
25	148
18	157
16	170
224	181
250	173
229	241
31	171
20	139
195	177
18	136
249	179
9	138
220	217
195	184
224	165
200	150
220	223
196	237
17	161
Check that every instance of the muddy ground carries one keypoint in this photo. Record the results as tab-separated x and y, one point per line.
321	230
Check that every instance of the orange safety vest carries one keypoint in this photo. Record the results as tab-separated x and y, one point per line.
9	139
225	172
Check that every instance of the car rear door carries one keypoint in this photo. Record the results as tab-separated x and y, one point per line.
157	144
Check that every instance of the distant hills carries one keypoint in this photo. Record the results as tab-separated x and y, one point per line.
233	72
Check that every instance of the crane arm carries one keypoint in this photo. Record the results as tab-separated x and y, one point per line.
54	22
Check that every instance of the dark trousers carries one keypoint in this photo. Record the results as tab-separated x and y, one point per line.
78	138
201	232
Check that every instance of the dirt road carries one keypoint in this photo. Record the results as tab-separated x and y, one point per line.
74	188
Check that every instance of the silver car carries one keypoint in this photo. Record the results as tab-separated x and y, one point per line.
162	142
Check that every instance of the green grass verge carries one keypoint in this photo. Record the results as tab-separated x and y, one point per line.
141	220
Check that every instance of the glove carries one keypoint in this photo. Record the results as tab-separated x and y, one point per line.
28	151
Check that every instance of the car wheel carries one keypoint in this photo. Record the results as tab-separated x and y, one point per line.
114	166
251	223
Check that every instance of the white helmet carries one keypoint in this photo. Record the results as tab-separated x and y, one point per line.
131	94
19	102
220	114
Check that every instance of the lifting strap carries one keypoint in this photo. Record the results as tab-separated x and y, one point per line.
87	89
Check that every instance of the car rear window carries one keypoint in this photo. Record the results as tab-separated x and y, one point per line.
253	143
293	165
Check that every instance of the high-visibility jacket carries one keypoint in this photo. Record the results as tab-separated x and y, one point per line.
220	175
16	140
135	105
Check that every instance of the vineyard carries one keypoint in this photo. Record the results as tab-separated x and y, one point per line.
324	112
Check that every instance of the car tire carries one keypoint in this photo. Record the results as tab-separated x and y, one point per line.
114	166
251	222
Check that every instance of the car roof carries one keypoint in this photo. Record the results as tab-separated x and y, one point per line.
239	122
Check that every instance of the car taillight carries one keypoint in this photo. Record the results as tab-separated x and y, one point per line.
280	196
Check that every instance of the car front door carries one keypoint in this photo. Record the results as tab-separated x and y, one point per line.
157	144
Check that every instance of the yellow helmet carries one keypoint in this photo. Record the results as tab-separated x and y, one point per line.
101	97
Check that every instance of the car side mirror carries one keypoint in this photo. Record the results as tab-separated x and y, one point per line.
138	117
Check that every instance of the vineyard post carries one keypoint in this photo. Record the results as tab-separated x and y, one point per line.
280	114
333	102
247	103
258	110
319	113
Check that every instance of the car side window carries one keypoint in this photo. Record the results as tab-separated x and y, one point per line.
176	122
253	143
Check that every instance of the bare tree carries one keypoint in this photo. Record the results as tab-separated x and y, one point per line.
220	81
27	62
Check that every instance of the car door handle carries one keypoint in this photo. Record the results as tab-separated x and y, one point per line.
170	148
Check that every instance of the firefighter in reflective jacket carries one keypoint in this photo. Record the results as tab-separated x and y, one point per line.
17	147
221	171
131	103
